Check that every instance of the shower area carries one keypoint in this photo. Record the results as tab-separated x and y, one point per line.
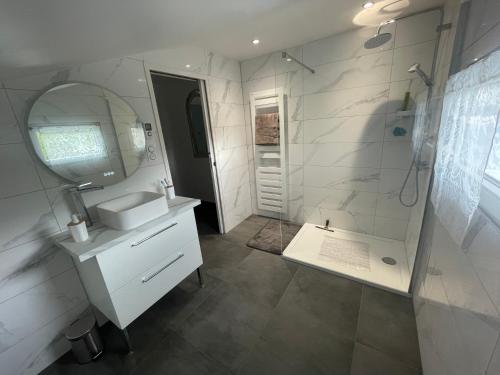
341	151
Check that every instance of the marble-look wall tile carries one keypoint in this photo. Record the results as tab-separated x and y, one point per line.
28	265
343	46
25	218
31	355
352	201
222	67
17	170
388	206
226	114
346	154
342	178
345	129
370	100
404	57
225	91
396	155
340	219
269	65
9	131
417	29
390	228
358	72
49	299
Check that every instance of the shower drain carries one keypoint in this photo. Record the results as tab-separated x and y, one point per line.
390	261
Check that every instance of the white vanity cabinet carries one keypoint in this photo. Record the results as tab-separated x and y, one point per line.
126	272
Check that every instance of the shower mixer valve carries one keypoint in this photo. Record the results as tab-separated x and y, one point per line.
326	227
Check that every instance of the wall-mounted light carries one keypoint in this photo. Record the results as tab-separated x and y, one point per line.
368	4
255	42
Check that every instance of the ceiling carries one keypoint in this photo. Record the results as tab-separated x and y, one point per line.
42	35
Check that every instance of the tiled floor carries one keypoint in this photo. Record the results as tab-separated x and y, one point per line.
260	314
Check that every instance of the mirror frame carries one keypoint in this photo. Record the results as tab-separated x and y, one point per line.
31	148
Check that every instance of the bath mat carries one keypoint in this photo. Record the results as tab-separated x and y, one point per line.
272	239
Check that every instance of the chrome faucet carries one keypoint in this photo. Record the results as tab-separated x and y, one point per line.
75	192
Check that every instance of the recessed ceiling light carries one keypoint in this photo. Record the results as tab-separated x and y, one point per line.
368	4
255	42
188	66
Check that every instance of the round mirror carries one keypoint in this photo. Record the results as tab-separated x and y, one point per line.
85	133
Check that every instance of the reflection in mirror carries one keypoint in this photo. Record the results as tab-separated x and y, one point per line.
85	133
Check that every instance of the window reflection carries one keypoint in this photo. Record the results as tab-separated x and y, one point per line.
63	144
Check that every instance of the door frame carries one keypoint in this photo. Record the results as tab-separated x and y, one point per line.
151	69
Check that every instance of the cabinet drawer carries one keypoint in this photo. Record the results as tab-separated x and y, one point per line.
130	258
132	299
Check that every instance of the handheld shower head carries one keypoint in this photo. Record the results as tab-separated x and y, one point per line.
415	68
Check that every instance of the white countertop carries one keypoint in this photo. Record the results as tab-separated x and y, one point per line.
103	238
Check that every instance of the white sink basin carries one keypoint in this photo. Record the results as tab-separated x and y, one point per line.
132	210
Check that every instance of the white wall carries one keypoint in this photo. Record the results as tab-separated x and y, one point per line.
40	293
344	162
457	295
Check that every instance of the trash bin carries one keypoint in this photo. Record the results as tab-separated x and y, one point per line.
84	338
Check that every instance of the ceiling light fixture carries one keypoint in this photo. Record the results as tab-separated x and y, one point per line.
368	4
255	42
188	66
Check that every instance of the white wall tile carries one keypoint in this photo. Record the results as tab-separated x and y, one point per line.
9	131
368	100
49	299
390	228
352	201
18	171
339	219
28	265
345	129
417	29
404	57
225	91
358	72
342	178
25	218
344	154
388	206
223	67
396	155
343	46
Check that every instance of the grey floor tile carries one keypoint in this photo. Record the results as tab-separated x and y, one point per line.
262	277
387	323
297	349
322	300
174	355
243	232
220	255
226	326
369	361
179	303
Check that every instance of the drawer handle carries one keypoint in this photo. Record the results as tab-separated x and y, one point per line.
147	278
154	234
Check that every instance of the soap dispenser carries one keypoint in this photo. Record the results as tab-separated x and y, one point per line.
78	229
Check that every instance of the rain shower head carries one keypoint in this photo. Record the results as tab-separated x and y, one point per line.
415	68
379	39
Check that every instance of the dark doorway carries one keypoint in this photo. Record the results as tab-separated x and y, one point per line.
181	112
